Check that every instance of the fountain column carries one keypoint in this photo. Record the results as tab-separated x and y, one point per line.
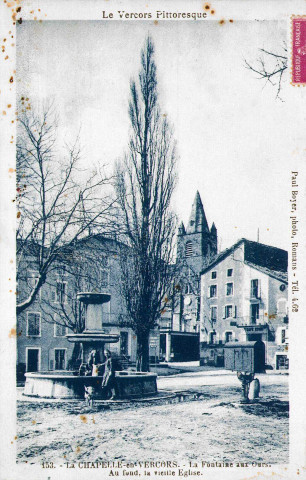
93	337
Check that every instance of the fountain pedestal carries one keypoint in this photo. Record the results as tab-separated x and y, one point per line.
93	337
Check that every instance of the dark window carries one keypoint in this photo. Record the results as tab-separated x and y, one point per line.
229	289
61	292
33	329
213	291
283	337
254	312
212	337
228	311
228	336
254	289
213	274
59	330
230	272
188	249
282	362
213	314
60	358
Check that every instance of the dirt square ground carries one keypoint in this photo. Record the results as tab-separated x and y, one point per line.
216	427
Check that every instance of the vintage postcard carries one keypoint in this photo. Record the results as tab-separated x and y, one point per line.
153	255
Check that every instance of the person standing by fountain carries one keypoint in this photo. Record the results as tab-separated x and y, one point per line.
93	363
108	377
92	369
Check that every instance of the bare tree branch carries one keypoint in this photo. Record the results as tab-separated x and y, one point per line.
58	203
270	67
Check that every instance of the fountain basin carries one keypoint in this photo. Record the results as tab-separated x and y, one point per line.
93	298
93	336
64	384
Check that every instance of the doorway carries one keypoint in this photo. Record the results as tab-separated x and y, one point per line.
33	355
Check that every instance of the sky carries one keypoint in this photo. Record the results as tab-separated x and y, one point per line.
236	143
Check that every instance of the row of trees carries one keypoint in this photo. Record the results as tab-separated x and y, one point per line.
57	208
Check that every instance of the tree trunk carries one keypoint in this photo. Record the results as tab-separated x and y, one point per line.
31	298
143	359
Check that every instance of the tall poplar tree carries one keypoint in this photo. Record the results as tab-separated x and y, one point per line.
146	179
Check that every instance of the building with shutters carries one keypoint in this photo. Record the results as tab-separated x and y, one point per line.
244	296
238	294
92	264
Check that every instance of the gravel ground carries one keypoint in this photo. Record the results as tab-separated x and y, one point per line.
215	427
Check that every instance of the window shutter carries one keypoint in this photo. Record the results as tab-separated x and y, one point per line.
287	335
259	289
208	292
53	296
224	312
235	311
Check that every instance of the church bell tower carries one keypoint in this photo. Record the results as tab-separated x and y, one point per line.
196	244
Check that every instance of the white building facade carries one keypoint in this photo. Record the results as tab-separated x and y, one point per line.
244	297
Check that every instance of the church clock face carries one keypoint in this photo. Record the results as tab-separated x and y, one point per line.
187	301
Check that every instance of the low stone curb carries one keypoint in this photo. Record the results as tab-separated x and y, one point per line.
163	397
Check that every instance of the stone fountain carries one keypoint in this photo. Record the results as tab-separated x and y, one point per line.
67	384
93	337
